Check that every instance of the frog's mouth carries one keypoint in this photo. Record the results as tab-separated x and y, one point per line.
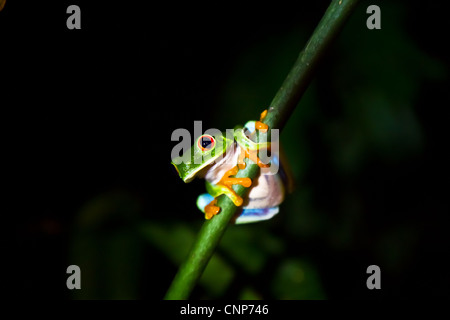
188	172
212	170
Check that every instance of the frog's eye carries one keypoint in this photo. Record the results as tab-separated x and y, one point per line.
206	142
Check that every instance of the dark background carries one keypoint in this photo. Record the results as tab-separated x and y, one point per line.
88	116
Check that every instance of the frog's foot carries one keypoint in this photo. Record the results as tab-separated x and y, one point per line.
252	155
228	182
260	125
207	204
211	209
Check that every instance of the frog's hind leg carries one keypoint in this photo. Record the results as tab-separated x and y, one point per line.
208	205
203	200
255	215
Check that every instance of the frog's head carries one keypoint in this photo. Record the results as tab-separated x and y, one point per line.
201	155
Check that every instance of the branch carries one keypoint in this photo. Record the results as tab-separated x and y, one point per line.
279	112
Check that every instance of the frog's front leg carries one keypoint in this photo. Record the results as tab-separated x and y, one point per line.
249	148
252	154
224	186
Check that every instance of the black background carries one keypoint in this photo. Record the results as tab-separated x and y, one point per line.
90	110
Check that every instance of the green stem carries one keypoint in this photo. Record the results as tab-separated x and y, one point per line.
279	112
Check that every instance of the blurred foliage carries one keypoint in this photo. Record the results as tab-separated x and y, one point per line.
107	248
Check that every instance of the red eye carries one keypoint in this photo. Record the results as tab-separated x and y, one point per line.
206	142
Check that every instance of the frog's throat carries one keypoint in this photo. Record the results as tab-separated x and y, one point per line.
220	168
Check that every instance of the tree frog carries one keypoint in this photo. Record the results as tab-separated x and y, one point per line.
221	159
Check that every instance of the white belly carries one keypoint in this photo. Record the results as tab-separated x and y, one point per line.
267	191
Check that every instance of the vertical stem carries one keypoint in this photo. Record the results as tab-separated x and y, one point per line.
298	79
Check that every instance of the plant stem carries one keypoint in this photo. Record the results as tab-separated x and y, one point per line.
279	112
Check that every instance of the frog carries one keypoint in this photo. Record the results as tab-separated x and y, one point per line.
222	157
